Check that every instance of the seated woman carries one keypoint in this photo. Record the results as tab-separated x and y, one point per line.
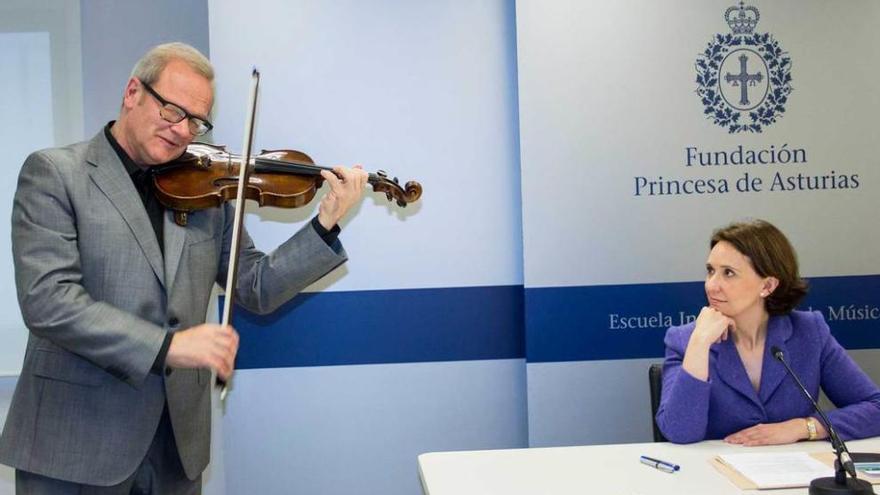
720	379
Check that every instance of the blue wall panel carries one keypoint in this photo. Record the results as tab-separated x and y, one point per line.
629	321
385	326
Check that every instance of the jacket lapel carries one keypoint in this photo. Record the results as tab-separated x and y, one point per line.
174	236
730	370
110	176
772	372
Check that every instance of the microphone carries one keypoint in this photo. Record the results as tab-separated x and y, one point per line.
839	484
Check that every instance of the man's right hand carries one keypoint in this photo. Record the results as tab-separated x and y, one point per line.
204	346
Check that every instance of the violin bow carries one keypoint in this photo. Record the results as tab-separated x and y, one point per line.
235	245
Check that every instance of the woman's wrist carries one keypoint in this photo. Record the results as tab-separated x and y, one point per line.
698	344
696	362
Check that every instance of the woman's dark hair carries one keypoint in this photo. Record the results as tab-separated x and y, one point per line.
771	255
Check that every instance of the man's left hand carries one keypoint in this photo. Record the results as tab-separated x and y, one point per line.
346	189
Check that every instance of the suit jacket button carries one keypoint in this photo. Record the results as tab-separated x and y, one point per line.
168	370
173	322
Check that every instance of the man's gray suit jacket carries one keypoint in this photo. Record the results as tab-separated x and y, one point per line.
98	299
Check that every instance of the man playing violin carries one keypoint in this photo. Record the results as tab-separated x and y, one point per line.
115	391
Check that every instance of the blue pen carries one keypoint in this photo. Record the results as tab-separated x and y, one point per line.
666	467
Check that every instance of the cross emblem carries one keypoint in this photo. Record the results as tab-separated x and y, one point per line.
743	79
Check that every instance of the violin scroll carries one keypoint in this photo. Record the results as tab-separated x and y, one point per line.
391	187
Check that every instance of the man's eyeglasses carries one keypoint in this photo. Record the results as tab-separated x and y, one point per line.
174	114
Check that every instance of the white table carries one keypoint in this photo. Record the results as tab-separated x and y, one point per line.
597	469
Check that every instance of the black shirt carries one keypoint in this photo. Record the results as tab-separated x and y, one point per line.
142	178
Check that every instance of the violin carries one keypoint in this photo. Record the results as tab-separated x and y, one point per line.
207	175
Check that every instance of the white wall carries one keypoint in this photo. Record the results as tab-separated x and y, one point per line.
40	73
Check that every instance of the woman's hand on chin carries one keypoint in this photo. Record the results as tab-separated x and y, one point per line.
712	326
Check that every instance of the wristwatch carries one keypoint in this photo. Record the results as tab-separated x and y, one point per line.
811	428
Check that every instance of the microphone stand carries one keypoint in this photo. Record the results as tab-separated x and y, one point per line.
839	484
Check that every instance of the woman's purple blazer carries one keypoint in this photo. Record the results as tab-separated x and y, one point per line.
692	410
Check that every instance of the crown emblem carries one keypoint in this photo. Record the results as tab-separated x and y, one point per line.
743	78
742	19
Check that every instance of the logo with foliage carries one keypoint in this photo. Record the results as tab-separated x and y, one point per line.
743	77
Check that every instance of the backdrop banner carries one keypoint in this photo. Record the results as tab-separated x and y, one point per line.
646	125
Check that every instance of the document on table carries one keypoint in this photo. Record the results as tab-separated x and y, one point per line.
777	469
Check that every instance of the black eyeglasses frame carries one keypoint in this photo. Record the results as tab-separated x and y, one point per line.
170	111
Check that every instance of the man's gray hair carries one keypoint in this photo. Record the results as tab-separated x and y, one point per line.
150	66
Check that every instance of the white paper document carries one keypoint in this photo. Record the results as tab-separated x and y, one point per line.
778	469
